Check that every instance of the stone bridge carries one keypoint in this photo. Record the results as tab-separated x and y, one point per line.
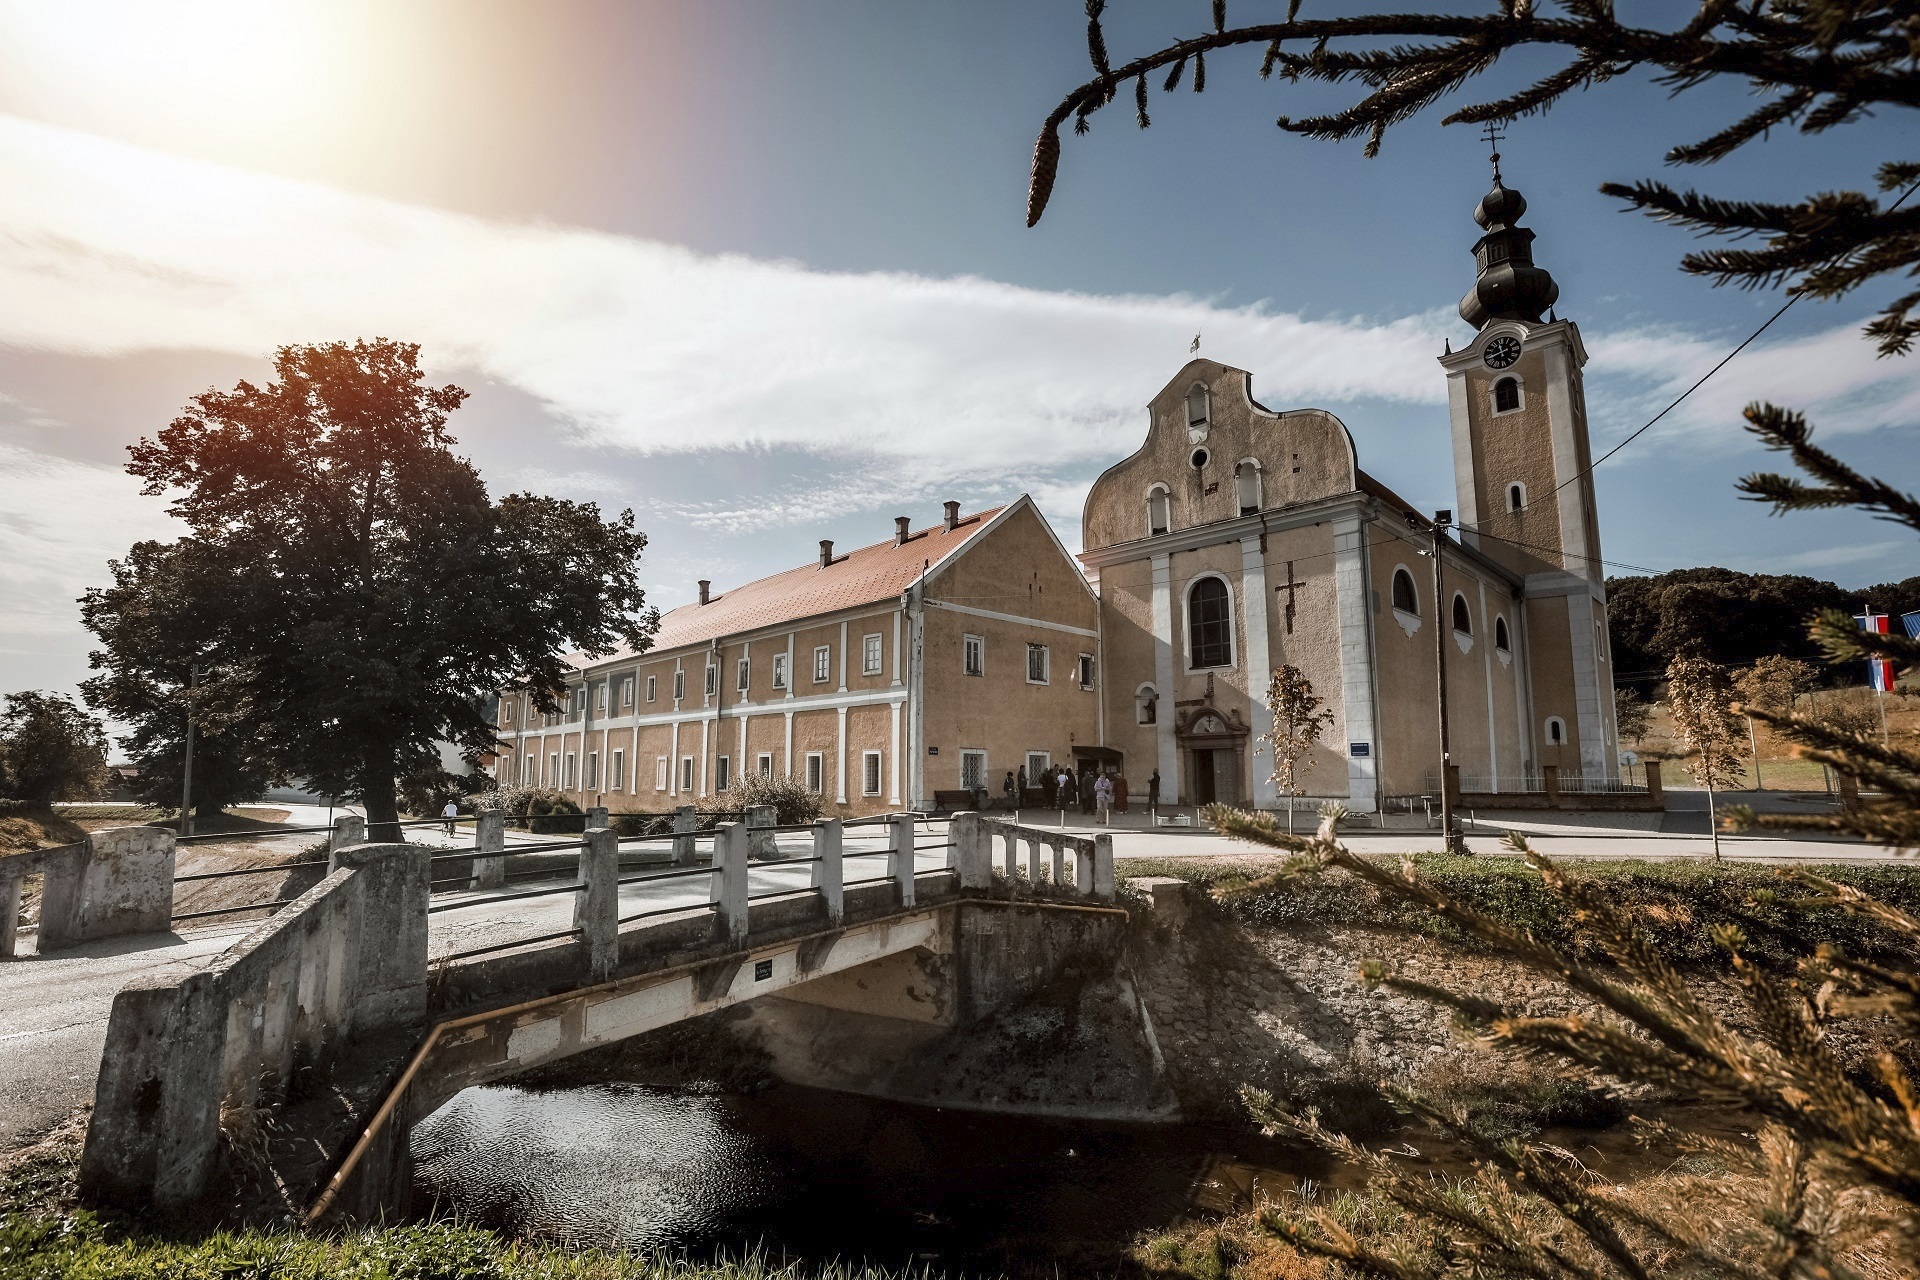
304	1055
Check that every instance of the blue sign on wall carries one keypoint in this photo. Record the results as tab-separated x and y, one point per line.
1359	750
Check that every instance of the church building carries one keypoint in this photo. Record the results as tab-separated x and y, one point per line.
1238	539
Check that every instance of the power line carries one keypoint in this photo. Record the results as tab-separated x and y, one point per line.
1784	308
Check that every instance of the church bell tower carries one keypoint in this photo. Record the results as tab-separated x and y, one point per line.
1525	497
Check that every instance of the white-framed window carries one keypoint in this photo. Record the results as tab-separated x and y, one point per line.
1462	615
722	773
506	713
1197	407
530	771
1501	641
686	775
626	692
779	670
679	685
822	663
1084	669
1037	762
592	779
566	783
580	702
1146	705
1037	657
1556	731
973	770
1406	597
1506	394
763	764
973	655
553	769
870	653
600	697
1516	496
653	687
617	771
713	679
743	675
1159	511
816	772
659	773
869	773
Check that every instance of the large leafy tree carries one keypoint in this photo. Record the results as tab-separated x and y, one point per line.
1731	617
50	750
151	671
349	578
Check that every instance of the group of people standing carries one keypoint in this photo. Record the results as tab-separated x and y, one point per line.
1092	789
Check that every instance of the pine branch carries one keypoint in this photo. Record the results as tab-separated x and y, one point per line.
1785	431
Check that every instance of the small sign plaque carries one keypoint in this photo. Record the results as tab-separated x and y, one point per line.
1360	750
933	751
762	970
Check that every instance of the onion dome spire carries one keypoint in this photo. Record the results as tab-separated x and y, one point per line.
1509	286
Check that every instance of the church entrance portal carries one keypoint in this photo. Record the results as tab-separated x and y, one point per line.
1214	744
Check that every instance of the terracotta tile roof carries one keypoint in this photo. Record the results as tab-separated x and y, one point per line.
866	576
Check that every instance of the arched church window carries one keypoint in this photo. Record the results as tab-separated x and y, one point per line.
1210	624
1506	395
1500	640
1516	497
1246	480
1158	511
1556	730
1196	407
1405	599
1462	620
1146	705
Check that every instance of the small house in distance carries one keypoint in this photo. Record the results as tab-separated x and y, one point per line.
942	659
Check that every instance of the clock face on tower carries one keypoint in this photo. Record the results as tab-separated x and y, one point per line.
1502	351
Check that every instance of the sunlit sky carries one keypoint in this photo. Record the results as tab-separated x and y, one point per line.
759	270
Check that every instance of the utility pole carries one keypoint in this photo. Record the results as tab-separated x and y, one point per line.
186	772
1450	839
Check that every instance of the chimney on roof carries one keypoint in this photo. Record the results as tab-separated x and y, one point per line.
900	527
826	552
953	515
705	586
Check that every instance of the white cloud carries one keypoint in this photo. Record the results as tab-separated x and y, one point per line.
1831	557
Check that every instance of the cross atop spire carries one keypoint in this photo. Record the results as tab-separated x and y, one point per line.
1493	134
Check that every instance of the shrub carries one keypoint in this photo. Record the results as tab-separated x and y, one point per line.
539	809
792	803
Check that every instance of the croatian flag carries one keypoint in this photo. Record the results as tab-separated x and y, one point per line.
1879	670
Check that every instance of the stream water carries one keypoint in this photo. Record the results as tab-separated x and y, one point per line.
823	1177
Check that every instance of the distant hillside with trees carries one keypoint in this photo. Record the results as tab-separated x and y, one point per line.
1729	617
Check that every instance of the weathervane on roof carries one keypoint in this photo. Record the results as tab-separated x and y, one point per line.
1492	133
1195	347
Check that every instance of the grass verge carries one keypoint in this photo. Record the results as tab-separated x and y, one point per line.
1676	902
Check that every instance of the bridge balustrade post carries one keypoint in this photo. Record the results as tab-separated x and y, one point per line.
828	871
596	816
1010	854
1059	862
685	819
729	891
900	856
349	829
1103	867
763	844
490	837
1034	862
596	908
972	850
9	915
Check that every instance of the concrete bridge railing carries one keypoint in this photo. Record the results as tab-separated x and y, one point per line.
113	883
1048	853
345	961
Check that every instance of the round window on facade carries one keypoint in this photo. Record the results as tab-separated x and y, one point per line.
1198	460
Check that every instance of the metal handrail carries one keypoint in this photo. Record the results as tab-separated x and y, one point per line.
665	911
667	875
245	871
235	835
228	911
508	946
504	897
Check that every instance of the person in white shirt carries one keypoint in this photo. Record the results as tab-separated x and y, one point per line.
1103	791
451	812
